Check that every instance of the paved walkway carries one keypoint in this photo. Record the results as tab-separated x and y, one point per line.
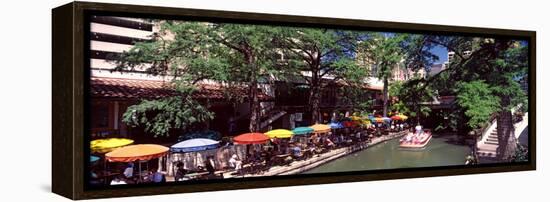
299	166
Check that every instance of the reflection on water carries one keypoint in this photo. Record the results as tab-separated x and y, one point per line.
441	151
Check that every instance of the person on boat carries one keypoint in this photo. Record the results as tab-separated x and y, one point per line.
418	129
408	138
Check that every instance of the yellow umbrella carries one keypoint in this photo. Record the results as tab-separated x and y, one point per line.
107	145
320	128
279	133
365	122
355	118
403	117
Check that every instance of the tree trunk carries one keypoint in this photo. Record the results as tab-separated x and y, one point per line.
506	137
315	97
253	100
385	92
254	106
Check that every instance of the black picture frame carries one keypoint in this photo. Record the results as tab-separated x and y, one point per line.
70	83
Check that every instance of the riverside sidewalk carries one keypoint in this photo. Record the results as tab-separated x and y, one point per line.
300	166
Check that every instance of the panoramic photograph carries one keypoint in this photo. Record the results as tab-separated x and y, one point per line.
174	101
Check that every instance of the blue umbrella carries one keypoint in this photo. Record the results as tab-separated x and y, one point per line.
93	159
336	125
193	145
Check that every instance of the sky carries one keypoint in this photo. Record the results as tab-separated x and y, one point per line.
441	52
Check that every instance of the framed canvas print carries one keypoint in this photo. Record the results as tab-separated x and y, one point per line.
156	100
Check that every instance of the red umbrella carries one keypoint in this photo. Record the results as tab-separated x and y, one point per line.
395	117
251	138
349	124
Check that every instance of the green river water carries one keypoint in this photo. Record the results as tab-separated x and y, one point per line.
440	151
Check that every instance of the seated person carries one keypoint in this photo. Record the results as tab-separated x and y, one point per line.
408	138
268	155
341	139
118	180
180	172
235	163
95	179
129	171
329	143
158	177
210	165
297	151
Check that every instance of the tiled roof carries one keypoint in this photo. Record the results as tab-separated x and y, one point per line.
150	89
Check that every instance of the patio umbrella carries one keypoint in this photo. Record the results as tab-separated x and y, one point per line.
139	152
395	117
279	133
251	138
349	124
320	128
386	119
107	145
193	145
302	130
93	158
399	117
336	125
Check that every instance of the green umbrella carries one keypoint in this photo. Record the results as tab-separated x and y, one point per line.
302	130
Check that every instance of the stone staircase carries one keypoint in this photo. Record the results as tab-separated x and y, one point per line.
488	147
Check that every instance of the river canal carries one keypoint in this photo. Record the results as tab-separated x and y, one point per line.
441	151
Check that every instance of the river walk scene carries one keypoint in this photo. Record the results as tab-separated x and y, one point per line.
175	101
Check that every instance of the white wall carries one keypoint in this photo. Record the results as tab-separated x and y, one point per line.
26	101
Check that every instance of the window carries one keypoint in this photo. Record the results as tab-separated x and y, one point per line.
100	115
